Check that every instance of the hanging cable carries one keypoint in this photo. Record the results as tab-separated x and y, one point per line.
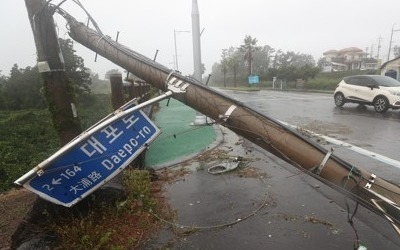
90	17
350	217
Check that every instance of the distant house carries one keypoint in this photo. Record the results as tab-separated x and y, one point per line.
351	58
371	63
391	68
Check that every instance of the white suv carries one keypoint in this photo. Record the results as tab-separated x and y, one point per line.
382	92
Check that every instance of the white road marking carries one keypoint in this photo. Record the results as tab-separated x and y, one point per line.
359	150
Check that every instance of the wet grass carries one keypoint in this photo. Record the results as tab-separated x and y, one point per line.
124	225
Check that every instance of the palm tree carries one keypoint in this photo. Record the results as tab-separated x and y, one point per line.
248	48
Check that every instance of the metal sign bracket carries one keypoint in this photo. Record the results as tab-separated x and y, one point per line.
322	165
177	86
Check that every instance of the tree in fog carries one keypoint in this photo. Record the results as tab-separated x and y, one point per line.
21	89
234	62
265	61
290	58
248	48
291	66
224	64
262	59
111	72
322	62
75	68
3	81
99	86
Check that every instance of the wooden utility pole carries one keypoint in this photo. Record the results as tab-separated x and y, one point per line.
57	87
117	91
362	186
59	97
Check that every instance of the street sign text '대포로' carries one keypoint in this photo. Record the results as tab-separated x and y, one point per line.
89	164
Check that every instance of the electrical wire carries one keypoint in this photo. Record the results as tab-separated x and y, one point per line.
345	181
89	16
229	223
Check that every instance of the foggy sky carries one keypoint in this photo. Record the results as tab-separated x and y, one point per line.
304	26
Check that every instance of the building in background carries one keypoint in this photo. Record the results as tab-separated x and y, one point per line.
391	68
351	58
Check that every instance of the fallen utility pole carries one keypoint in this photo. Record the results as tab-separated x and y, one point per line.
284	142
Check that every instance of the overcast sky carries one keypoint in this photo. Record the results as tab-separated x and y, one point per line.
304	26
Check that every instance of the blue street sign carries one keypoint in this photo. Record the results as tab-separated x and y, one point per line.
254	79
88	165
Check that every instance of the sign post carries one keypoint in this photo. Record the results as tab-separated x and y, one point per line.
93	158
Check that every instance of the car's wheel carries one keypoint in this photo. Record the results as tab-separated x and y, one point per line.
381	104
339	99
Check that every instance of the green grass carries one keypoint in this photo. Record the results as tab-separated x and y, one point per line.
28	136
124	225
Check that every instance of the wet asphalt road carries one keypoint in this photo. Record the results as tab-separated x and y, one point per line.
354	124
298	212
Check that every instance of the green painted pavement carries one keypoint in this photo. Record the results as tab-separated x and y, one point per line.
178	139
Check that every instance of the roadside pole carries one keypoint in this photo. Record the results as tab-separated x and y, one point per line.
117	100
52	69
61	106
200	119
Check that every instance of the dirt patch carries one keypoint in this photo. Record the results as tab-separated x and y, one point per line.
250	172
313	219
171	175
14	205
212	155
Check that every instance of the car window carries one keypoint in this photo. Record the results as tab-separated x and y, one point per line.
386	81
376	80
366	81
358	81
350	80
